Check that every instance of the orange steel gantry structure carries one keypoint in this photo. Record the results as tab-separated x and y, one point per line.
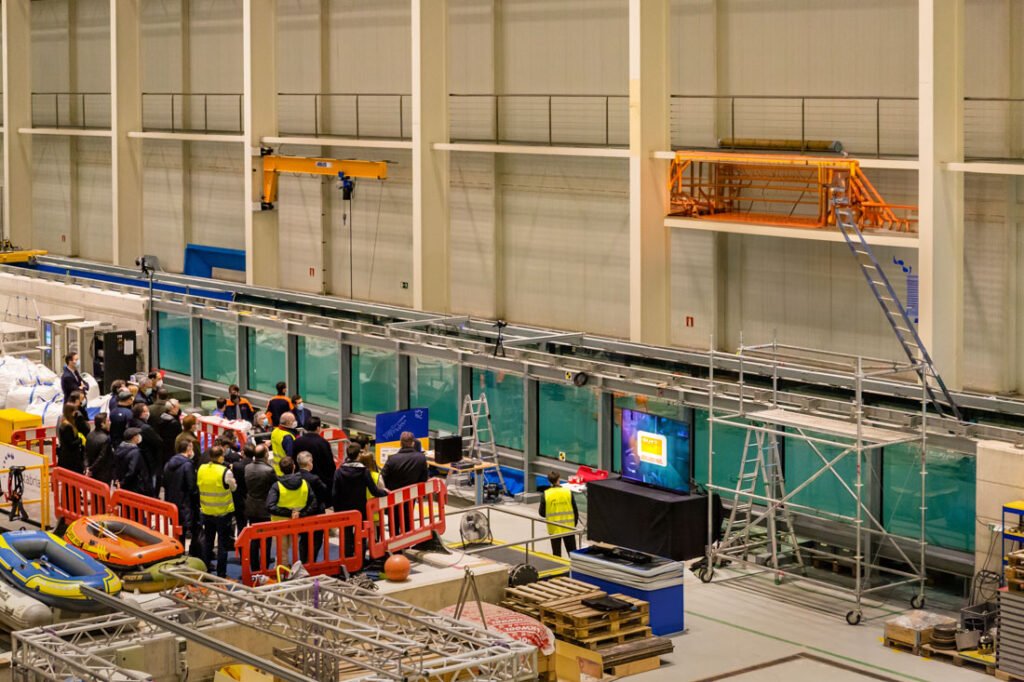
777	189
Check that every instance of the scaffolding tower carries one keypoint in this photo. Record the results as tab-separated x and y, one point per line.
333	629
759	533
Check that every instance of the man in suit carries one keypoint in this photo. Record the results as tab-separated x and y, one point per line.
70	379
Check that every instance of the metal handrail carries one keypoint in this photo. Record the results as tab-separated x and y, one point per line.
76	116
186	124
321	125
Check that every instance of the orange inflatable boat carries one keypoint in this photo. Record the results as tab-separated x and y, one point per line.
121	544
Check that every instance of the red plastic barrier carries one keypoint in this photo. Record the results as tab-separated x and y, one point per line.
41	439
337	438
75	495
150	512
298	533
407	517
210	429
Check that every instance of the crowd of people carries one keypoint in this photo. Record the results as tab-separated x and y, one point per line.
146	444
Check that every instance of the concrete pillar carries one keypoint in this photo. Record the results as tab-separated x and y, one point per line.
126	116
186	146
941	192
17	103
648	133
259	104
76	114
327	187
429	167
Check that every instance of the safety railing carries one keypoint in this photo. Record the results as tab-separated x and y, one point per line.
576	119
75	495
363	115
406	517
263	546
41	439
152	513
337	439
203	112
875	126
71	109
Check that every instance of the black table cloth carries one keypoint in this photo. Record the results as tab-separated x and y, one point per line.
645	519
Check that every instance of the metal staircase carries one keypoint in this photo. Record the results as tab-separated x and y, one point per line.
892	307
478	434
760	463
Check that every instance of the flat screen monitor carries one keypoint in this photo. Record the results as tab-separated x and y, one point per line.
655	451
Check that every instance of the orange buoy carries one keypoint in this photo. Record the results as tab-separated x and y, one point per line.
396	568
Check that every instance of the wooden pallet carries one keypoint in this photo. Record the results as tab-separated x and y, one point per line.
574	663
527	599
610	638
571	619
1007	677
901	645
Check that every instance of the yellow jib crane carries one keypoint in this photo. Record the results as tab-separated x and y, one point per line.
346	171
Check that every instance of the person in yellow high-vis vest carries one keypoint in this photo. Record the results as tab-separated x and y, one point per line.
216	483
282	440
559	507
292	498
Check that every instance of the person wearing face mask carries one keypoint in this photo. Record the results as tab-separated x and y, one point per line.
70	379
301	412
237	407
145	394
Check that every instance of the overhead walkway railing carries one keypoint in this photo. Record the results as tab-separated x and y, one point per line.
71	110
192	112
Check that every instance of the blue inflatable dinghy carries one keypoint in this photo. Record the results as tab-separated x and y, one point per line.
44	566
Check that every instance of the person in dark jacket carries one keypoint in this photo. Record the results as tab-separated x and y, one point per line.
151	446
405	467
316	445
304	462
302	413
241	492
237	407
77	400
145	394
279	404
115	388
70	443
352	482
158	407
259	479
120	417
168	426
180	490
70	379
130	470
99	455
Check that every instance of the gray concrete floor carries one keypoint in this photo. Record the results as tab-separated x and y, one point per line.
738	625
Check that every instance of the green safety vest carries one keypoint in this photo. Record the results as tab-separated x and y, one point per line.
294	500
558	508
277	437
214	498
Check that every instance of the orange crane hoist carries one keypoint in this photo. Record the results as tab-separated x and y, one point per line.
346	171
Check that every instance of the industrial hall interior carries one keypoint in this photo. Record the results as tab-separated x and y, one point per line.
506	340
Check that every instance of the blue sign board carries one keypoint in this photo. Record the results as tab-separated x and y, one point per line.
390	425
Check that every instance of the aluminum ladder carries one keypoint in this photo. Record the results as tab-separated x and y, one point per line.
894	310
478	434
762	462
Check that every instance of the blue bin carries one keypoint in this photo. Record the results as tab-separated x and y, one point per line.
666	603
